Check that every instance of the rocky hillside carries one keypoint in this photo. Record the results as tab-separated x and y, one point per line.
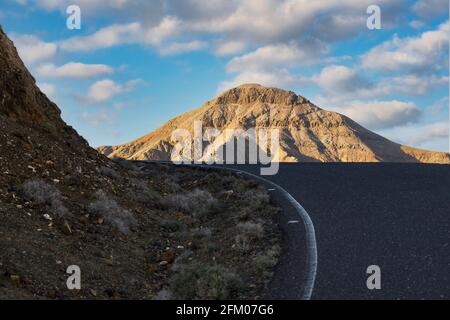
136	231
307	132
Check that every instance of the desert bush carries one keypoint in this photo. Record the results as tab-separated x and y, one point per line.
142	193
201	233
247	233
171	186
266	262
256	198
199	280
43	193
198	202
163	294
108	172
171	225
139	184
111	212
251	230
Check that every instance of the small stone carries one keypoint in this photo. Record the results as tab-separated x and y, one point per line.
168	256
47	217
66	228
15	279
163	263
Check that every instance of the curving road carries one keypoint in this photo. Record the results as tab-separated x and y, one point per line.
396	216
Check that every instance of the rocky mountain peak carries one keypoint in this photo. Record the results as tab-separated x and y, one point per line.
252	93
20	98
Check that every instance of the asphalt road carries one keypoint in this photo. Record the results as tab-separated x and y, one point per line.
395	216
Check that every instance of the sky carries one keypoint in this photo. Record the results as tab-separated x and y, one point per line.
135	64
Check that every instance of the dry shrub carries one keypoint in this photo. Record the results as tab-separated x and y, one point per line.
204	281
43	193
112	213
198	202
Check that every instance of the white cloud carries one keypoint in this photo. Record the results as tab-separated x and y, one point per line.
106	89
74	70
269	65
168	27
272	21
382	114
429	136
100	117
31	49
229	47
134	33
417	24
427	52
431	8
116	34
48	89
183	47
430	132
276	78
339	82
263	58
412	84
239	24
337	79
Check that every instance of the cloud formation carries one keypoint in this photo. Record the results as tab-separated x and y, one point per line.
424	53
106	89
74	70
32	49
382	114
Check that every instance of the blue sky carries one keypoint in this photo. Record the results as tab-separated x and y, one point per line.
135	64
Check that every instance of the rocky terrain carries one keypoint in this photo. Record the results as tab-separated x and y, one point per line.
136	231
307	132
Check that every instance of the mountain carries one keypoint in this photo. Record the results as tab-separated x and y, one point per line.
307	132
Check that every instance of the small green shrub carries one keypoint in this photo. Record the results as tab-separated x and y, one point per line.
267	262
204	281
